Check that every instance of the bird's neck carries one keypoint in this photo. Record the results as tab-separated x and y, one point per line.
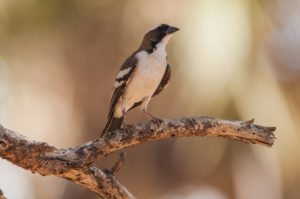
160	50
152	47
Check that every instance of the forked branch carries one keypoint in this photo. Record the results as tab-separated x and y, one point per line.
76	164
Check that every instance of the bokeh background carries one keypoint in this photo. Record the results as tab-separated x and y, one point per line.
233	59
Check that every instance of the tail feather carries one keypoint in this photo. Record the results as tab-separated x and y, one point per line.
112	124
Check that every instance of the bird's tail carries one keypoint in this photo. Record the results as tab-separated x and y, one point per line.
112	124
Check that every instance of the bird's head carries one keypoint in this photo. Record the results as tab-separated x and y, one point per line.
158	34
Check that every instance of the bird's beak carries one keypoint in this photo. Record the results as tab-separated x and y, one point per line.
171	30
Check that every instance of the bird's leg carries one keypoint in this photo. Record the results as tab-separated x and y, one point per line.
155	119
144	109
126	126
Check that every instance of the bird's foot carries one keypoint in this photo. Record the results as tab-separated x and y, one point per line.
129	128
157	121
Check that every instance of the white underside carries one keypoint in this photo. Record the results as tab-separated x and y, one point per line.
145	79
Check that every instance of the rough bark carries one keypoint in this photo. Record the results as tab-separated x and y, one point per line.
76	164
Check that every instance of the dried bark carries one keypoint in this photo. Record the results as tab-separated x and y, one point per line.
76	164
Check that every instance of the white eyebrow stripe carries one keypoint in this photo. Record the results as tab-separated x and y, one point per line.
153	28
124	72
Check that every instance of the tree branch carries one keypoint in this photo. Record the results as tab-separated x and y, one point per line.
75	164
117	166
30	155
170	128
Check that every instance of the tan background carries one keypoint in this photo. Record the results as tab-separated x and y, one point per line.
235	59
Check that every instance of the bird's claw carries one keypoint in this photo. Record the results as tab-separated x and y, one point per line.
128	128
157	121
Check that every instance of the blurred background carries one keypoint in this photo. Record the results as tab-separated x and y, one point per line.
233	59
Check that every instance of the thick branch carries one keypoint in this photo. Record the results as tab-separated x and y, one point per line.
30	155
170	128
75	164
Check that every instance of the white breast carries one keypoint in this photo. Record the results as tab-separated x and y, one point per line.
147	76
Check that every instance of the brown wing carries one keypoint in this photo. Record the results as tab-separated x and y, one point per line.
121	82
165	80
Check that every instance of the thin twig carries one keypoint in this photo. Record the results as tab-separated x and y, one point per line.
117	166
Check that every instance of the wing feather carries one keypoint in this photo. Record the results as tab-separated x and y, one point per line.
164	81
121	81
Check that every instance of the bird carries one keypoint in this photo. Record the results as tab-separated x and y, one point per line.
143	75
